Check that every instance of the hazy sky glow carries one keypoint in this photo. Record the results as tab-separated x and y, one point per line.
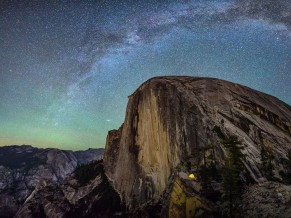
67	67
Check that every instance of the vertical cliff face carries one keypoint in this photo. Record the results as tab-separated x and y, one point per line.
145	154
112	149
168	118
169	121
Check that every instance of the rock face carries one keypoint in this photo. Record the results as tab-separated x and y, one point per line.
112	148
191	203
23	167
267	200
152	162
94	198
168	118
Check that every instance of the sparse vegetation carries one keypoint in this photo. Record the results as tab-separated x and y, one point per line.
86	172
208	172
25	159
108	202
206	175
217	130
286	176
267	158
231	171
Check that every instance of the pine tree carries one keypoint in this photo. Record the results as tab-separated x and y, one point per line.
289	160
267	159
233	145
288	177
208	172
205	180
231	171
230	184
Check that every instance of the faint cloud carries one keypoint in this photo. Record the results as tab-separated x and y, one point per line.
273	11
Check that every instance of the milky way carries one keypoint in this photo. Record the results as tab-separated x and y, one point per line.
67	67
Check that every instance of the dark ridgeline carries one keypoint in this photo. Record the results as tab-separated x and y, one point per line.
23	167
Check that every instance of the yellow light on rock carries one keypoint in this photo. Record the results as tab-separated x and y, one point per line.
191	176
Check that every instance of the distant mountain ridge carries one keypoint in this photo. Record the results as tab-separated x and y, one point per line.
23	167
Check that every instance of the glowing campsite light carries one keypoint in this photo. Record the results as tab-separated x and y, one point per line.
191	176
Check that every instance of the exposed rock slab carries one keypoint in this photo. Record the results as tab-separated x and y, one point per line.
94	199
267	200
167	118
148	160
23	167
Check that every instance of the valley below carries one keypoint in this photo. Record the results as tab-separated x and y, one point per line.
23	167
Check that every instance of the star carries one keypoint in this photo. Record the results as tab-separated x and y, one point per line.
67	67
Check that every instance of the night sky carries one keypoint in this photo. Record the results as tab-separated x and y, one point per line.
67	67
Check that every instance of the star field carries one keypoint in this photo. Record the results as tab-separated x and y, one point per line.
67	67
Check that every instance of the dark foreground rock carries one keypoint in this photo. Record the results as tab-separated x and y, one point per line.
267	199
77	197
23	167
